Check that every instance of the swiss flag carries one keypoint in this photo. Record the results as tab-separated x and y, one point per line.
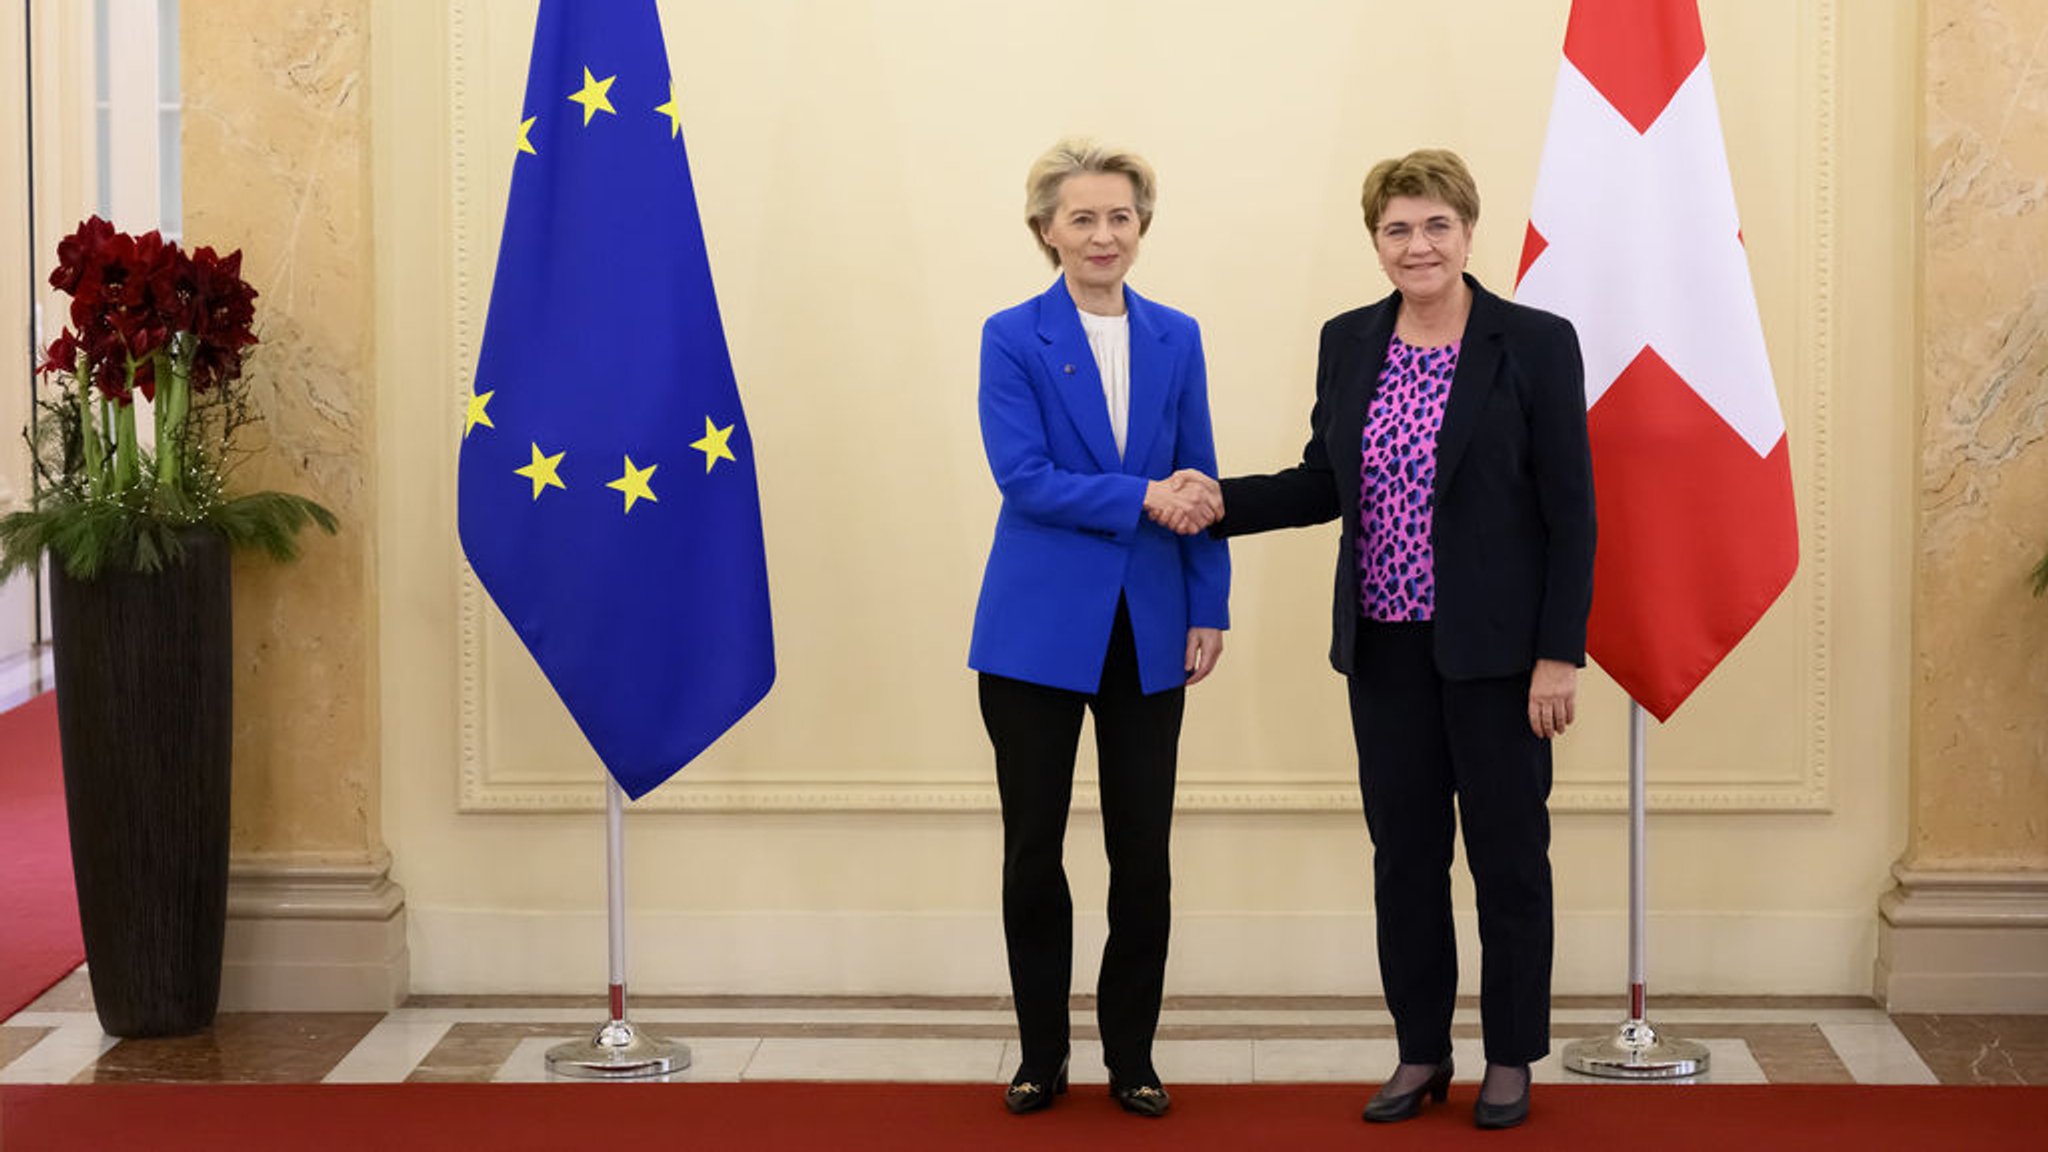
1633	237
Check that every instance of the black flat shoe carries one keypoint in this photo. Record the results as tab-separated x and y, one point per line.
1387	1107
1146	1099
1031	1092
1506	1115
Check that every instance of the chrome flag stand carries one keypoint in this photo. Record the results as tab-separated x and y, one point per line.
618	1051
1635	1051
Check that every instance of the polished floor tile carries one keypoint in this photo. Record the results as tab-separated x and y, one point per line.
389	1052
246	1048
69	1049
710	1061
1176	1061
17	1039
473	1053
1211	1039
1980	1049
1309	1061
876	1059
1794	1053
1877	1054
71	994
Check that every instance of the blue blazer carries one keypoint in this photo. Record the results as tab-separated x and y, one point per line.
1072	536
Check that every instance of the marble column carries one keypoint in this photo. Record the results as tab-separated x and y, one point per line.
277	163
1966	928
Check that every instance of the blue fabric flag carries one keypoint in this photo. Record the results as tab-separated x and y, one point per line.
607	500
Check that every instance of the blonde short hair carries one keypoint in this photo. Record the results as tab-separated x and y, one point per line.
1427	174
1072	157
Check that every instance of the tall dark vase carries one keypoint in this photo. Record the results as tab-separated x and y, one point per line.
144	674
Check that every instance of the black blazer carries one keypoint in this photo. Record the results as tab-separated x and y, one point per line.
1512	512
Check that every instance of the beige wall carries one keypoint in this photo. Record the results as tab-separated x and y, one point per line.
859	167
63	175
1966	928
1980	789
278	166
277	140
276	134
15	295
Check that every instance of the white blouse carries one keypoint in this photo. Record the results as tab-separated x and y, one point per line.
1110	339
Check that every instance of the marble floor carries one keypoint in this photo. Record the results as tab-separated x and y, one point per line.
57	1039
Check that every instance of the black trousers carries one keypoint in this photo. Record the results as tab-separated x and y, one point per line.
1036	731
1426	744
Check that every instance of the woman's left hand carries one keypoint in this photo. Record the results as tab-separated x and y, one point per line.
1553	693
1205	647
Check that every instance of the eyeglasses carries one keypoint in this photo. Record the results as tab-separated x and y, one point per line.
1437	230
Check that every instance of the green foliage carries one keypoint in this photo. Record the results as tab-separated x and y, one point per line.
271	521
153	321
90	527
2041	575
92	536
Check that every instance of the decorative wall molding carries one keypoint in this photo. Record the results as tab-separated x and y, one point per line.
1276	796
1329	953
314	935
1963	942
1817	554
1805	787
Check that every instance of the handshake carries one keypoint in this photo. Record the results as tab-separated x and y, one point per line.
1186	502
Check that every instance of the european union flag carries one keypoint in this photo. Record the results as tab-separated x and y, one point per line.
607	485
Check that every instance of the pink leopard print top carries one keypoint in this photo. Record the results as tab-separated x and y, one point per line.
1396	567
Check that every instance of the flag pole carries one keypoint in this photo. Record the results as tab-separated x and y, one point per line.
1635	1051
618	1051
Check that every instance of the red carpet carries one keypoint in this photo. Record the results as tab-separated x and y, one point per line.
39	940
856	1117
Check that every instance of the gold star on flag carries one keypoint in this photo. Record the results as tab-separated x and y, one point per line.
673	110
594	96
477	415
542	471
525	141
634	484
713	445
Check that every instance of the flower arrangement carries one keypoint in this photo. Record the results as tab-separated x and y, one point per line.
150	320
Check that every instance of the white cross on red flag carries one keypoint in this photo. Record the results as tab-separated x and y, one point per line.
1633	237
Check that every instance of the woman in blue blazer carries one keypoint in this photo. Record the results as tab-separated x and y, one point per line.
1449	437
1101	595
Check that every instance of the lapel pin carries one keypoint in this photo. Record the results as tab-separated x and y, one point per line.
1069	369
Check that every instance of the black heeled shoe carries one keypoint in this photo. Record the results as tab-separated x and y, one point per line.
1506	1115
1387	1107
1030	1092
1144	1098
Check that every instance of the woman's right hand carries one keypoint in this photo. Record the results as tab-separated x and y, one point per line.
1186	502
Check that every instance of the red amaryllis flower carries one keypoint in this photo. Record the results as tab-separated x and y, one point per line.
118	295
132	296
108	368
61	355
105	362
214	364
79	251
223	316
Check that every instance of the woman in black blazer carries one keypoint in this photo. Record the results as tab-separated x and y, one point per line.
1449	437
